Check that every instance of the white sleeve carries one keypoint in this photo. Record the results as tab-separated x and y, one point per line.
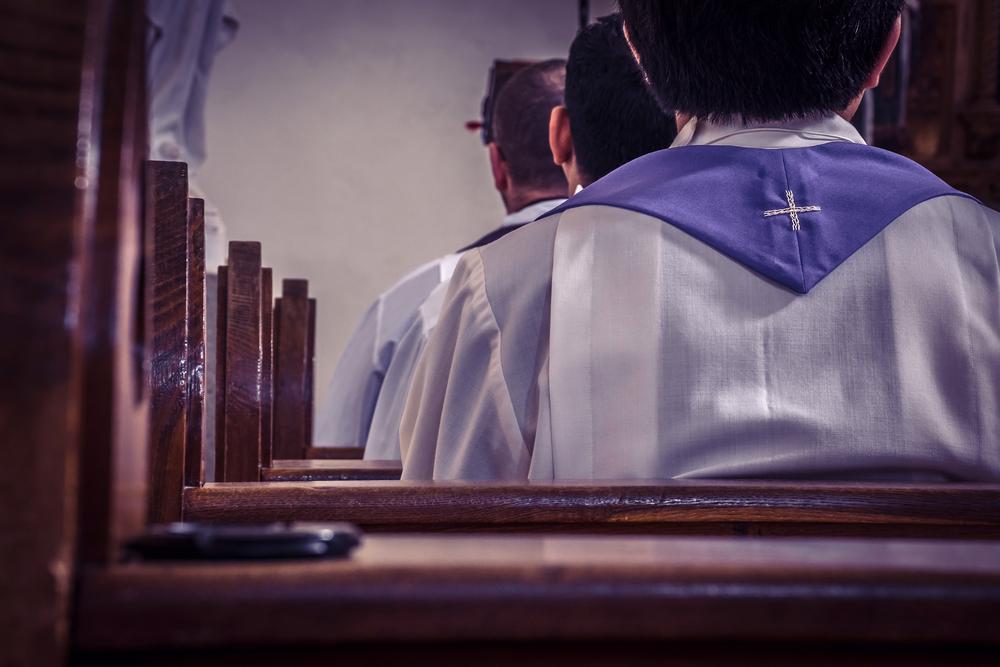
459	422
346	414
383	437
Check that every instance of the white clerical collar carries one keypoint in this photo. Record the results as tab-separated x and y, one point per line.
530	212
787	134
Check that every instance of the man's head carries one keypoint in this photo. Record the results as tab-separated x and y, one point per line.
765	60
519	155
609	117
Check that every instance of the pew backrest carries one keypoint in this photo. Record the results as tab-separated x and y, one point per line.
652	507
294	343
240	365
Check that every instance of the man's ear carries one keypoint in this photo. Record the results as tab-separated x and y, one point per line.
560	136
501	177
886	53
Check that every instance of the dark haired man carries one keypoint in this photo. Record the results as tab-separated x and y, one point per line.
609	117
768	298
529	185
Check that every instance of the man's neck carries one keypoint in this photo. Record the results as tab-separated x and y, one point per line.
517	202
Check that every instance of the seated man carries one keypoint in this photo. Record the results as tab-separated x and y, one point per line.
609	118
770	297
529	185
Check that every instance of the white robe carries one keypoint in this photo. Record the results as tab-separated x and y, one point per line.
371	370
602	343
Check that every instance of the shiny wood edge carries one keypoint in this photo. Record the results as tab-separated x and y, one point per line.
267	367
305	470
193	447
530	588
310	389
669	507
321	453
221	383
167	229
291	393
243	360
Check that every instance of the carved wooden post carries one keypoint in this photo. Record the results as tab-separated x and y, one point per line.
196	343
267	364
167	207
241	413
220	375
71	395
292	389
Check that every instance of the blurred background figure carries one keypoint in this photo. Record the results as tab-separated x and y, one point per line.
515	131
182	40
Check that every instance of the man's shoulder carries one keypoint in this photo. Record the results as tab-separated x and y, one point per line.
426	276
393	310
519	265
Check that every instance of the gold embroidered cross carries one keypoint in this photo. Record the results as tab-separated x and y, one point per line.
792	211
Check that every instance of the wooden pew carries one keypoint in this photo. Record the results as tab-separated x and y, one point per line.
307	470
264	391
321	453
73	404
564	601
294	350
667	507
177	286
240	393
253	368
294	353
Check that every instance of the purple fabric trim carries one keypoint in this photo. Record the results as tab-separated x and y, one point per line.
719	194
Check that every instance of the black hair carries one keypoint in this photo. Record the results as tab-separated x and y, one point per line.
612	115
521	124
758	60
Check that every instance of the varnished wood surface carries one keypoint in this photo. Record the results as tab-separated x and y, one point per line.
310	388
113	485
291	397
305	470
167	211
267	367
407	588
193	446
242	415
60	217
668	507
221	384
321	453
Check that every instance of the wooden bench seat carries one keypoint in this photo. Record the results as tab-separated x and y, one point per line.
543	588
667	507
305	470
340	453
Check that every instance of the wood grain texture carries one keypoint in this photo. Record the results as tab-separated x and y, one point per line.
267	368
321	453
300	470
220	373
667	507
310	388
194	443
167	214
440	588
291	396
113	486
243	359
54	58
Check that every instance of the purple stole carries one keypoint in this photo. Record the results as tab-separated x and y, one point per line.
791	214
